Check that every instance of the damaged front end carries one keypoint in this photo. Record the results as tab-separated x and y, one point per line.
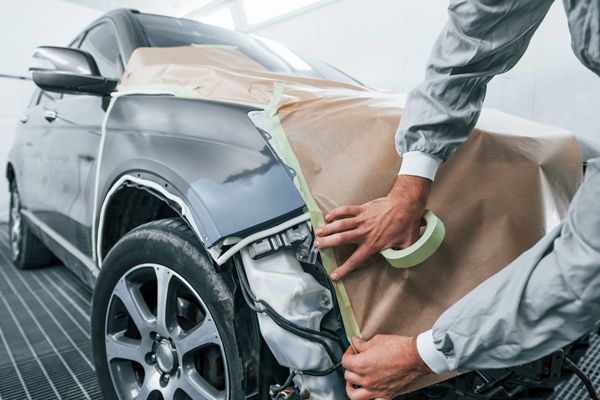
283	281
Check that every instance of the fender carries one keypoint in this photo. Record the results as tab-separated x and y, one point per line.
210	160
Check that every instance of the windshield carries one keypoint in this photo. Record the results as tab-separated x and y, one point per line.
163	31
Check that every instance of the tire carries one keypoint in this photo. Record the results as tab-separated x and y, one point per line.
150	360
27	251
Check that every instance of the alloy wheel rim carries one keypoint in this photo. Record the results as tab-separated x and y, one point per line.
169	348
15	225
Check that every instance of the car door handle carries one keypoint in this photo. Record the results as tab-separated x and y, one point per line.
50	115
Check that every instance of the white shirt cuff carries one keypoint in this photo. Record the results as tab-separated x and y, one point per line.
421	164
434	358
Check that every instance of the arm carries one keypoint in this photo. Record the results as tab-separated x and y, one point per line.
544	300
479	41
584	19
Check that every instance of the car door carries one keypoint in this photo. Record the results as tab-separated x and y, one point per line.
73	142
29	152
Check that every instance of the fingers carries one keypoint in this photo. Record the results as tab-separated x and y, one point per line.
359	393
353	378
351	361
347	358
343	212
359	344
411	236
349	351
360	255
340	225
338	239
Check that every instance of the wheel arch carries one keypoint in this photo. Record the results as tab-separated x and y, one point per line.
133	199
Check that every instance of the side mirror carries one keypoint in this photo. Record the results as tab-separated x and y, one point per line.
68	70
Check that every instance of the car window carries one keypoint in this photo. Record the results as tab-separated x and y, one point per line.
163	31
101	42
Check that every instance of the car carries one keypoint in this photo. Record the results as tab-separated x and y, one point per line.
173	317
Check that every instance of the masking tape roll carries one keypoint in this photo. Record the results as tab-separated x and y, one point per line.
422	249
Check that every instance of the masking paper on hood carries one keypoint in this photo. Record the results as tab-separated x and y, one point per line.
497	195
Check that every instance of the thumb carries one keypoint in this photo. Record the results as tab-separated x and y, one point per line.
359	344
359	256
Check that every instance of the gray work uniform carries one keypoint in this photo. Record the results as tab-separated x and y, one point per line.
550	296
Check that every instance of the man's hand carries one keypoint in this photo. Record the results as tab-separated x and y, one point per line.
383	367
389	222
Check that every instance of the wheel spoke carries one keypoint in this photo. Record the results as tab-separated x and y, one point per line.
136	307
144	393
15	225
151	383
119	346
168	392
205	333
197	387
163	278
168	349
15	237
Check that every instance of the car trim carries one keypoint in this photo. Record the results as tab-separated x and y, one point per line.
185	210
187	215
64	243
260	235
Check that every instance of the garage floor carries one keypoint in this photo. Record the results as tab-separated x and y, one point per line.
45	350
590	364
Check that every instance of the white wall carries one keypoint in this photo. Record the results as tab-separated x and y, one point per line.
386	43
24	25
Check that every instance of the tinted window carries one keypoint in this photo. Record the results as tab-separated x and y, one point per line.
171	32
101	43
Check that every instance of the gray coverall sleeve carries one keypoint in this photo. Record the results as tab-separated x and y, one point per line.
482	38
584	24
544	300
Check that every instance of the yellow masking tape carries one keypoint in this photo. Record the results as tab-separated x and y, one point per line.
284	149
422	249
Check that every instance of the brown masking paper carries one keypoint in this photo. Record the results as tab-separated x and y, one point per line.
508	185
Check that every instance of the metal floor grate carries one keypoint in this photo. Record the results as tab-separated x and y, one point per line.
45	350
573	389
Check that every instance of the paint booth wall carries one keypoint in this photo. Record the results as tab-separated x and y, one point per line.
386	43
27	24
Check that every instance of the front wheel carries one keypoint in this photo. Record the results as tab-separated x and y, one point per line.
163	320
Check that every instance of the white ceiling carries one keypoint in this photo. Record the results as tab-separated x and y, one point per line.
176	8
244	15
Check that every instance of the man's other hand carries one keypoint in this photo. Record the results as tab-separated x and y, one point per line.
383	367
389	222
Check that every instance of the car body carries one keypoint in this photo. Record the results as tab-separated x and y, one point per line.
74	139
200	162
